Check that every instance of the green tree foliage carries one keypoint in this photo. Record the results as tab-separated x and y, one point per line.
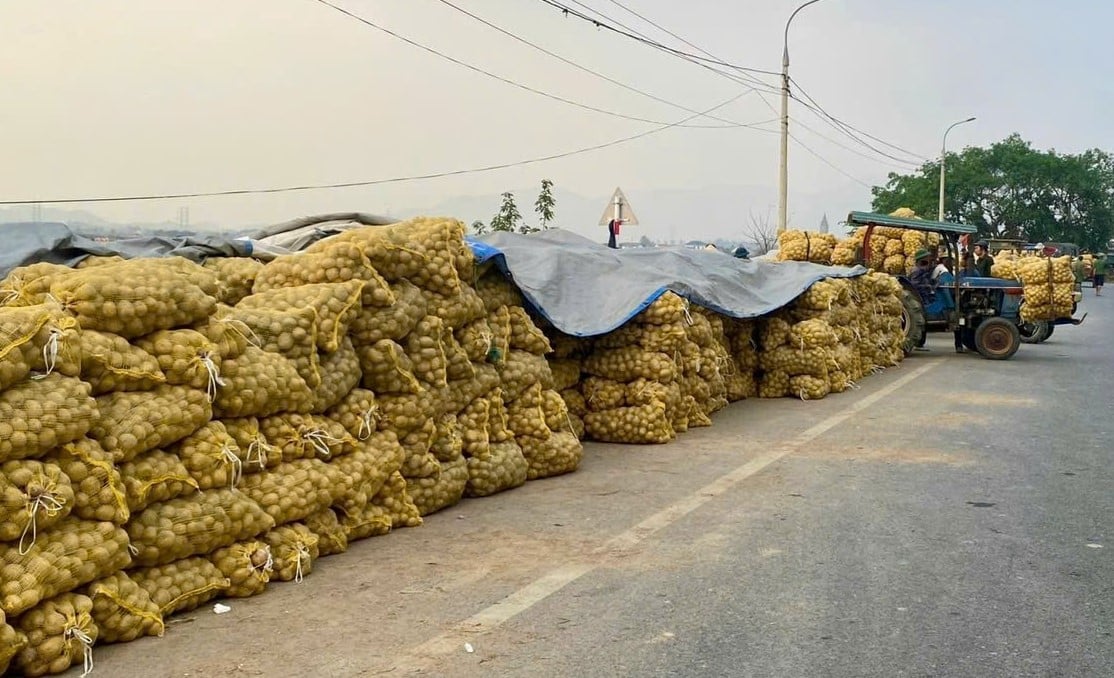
546	204
1012	190
510	220
508	216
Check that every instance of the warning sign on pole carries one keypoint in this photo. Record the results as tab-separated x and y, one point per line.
619	208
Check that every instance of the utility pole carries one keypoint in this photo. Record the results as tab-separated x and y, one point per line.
943	159
783	165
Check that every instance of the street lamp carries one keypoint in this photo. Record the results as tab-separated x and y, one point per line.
783	176
943	158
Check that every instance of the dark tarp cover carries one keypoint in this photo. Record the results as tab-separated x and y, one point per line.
585	289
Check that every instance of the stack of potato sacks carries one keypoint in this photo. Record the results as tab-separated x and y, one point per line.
172	433
892	250
1049	287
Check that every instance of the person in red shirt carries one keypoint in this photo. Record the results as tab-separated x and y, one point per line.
612	231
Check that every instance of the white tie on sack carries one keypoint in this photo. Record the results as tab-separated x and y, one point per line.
75	633
237	465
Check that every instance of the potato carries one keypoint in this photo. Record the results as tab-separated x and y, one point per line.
290	333
405	413
336	305
395	501
667	309
448	445
155	476
388	369
376	323
39	338
661	338
458	365
473	423
11	643
477	339
255	453
640	424
525	416
806	246
33	497
463	391
357	413
456	310
259	384
559	453
236	275
340	373
60	632
426	350
305	436
294	548
99	493
183	585
333	263
186	357
418	461
498	424
133	423
525	335
503	468
291	491
440	490
604	394
332	538
629	363
774	384
211	457
248	565
230	336
122	610
371	521
109	363
496	291
39	415
30	285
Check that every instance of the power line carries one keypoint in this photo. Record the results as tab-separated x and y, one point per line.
889	163
827	162
395	180
489	74
730	123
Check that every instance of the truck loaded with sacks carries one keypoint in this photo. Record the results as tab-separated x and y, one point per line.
174	432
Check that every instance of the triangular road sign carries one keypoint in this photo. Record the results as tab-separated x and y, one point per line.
619	207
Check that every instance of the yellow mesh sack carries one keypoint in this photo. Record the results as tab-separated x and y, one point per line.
448	445
34	496
247	565
155	476
477	339
210	456
186	357
200	523
405	413
503	468
236	276
97	487
667	309
372	520
230	336
331	535
376	323
39	338
291	333
457	310
294	549
525	335
473	422
395	501
602	394
387	369
566	373
499	321
639	424
290	491
521	370
336	305
39	415
255	453
440	490
11	642
340	373
305	436
132	423
30	285
260	384
630	363
357	413
498	425
183	585
555	411
496	291
71	554
525	416
419	462
60	632
556	455
134	298
773	384
575	402
427	352
109	363
122	610
339	262
663	338
458	364
463	391
808	387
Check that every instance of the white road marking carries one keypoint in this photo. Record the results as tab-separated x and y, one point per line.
421	657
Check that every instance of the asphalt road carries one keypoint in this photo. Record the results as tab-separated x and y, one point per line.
953	517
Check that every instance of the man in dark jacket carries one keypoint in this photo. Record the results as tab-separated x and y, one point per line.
983	260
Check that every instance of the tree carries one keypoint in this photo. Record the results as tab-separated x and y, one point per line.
761	233
645	242
508	216
479	227
546	204
1012	190
509	219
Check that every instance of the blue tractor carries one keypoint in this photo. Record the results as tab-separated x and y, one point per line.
986	312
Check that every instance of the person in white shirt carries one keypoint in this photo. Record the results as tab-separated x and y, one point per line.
944	266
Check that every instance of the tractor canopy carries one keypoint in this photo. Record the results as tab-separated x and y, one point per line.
856	219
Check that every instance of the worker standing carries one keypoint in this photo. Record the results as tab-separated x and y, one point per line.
612	232
1100	273
983	261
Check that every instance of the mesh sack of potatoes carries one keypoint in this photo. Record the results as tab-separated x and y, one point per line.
405	413
259	384
812	334
290	491
109	363
808	387
230	336
336	305
457	310
305	436
629	363
210	456
71	554
639	424
60	632
463	391
34	496
566	373
331	535
1005	268
439	491
387	368
183	585
40	338
294	550
698	331
122	610
520	370
791	360
559	454
373	520
894	247
357	413
423	250
525	335
496	291
134	298
555	411
155	476
375	323
773	384
845	253
340	373
255	453
525	416
427	352
395	500
575	402
806	246
473	421
502	468
96	483
186	357
646	391
247	565
894	265
667	309
773	331
339	262
824	294
448	445
366	469
200	523
458	365
663	338
741	385
603	394
290	333
41	414
132	423
498	426
30	285
418	461
697	417
477	339
11	642
236	276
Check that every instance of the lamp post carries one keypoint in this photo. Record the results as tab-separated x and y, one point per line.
783	170
943	158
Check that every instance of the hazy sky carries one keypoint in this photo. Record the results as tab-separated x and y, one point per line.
122	97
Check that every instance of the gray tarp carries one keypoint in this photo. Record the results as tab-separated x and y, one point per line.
586	289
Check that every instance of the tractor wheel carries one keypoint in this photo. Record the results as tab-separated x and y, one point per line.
913	322
1035	332
1048	334
997	339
